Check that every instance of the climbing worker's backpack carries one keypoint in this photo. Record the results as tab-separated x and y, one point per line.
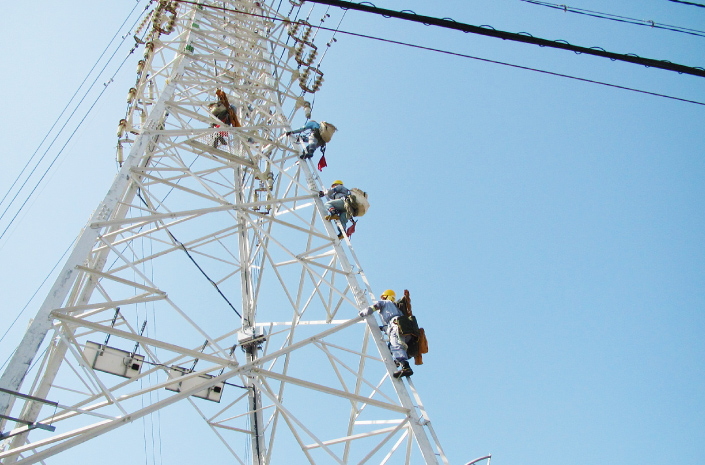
404	304
407	322
219	110
417	344
326	131
408	326
356	204
223	110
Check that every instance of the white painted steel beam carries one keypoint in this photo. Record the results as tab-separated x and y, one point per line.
201	221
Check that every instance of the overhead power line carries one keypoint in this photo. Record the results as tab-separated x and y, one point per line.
29	177
525	38
688	3
617	18
462	55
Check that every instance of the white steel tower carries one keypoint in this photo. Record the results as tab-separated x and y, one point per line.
208	279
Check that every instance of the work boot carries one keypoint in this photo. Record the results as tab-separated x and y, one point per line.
405	370
332	215
340	236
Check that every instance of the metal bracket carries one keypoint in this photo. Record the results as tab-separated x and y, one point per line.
30	424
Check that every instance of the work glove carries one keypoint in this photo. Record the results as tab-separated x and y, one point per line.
288	133
321	193
366	311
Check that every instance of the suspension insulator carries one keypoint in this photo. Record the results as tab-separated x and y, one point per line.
122	125
293	28
299	56
307	33
118	155
141	26
311	57
318	80
317	83
170	25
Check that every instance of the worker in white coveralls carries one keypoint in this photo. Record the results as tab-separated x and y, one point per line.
389	312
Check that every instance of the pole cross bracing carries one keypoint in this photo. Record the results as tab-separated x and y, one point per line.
207	284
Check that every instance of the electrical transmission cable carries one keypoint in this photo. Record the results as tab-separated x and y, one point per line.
61	150
29	196
621	19
525	38
688	3
462	55
67	106
60	261
183	247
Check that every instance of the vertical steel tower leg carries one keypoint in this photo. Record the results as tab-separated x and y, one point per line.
215	233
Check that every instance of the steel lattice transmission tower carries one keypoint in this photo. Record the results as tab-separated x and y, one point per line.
207	277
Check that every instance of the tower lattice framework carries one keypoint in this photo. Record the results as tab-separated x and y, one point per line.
207	279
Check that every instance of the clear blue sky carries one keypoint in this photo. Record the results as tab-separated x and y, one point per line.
551	231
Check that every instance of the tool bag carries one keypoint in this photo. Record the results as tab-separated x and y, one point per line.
326	131
420	347
356	204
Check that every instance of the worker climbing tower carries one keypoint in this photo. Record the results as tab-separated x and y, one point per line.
207	285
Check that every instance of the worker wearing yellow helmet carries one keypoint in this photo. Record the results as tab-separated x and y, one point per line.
389	313
335	206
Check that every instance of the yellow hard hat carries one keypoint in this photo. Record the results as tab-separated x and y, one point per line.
389	294
337	182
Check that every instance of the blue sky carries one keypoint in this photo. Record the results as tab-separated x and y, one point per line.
550	230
